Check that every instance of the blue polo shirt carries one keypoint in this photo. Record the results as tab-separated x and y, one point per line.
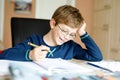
68	50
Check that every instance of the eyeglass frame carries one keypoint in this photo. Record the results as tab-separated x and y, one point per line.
66	32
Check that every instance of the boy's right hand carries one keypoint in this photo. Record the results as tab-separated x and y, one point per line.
39	53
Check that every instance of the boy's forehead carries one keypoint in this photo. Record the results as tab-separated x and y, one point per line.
68	27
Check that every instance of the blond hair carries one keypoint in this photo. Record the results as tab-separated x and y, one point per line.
68	15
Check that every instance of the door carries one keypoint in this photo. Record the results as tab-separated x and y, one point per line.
102	25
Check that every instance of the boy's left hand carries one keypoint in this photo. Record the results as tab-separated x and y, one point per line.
81	30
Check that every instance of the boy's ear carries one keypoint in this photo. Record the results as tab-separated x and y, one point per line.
52	23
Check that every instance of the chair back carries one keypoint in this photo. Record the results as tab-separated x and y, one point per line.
21	28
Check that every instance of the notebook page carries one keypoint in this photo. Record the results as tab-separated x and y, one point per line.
60	64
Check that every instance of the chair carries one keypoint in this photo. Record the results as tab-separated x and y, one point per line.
21	28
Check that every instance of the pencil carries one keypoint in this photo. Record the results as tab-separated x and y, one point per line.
34	45
31	44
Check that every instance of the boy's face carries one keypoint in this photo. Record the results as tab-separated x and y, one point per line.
63	33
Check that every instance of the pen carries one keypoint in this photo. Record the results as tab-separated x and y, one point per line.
100	67
34	45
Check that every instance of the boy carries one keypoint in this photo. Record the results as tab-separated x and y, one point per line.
58	42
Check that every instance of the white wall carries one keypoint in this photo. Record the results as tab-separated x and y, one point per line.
1	18
45	8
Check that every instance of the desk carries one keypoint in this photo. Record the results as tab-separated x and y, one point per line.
27	71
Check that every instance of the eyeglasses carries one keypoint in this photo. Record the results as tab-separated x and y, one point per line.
71	36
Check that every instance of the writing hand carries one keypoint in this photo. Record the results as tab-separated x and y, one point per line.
39	53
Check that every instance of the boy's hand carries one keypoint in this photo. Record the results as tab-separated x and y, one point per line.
81	30
38	53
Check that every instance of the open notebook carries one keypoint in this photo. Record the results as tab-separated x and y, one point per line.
58	64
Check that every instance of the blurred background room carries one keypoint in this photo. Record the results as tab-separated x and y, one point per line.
102	18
